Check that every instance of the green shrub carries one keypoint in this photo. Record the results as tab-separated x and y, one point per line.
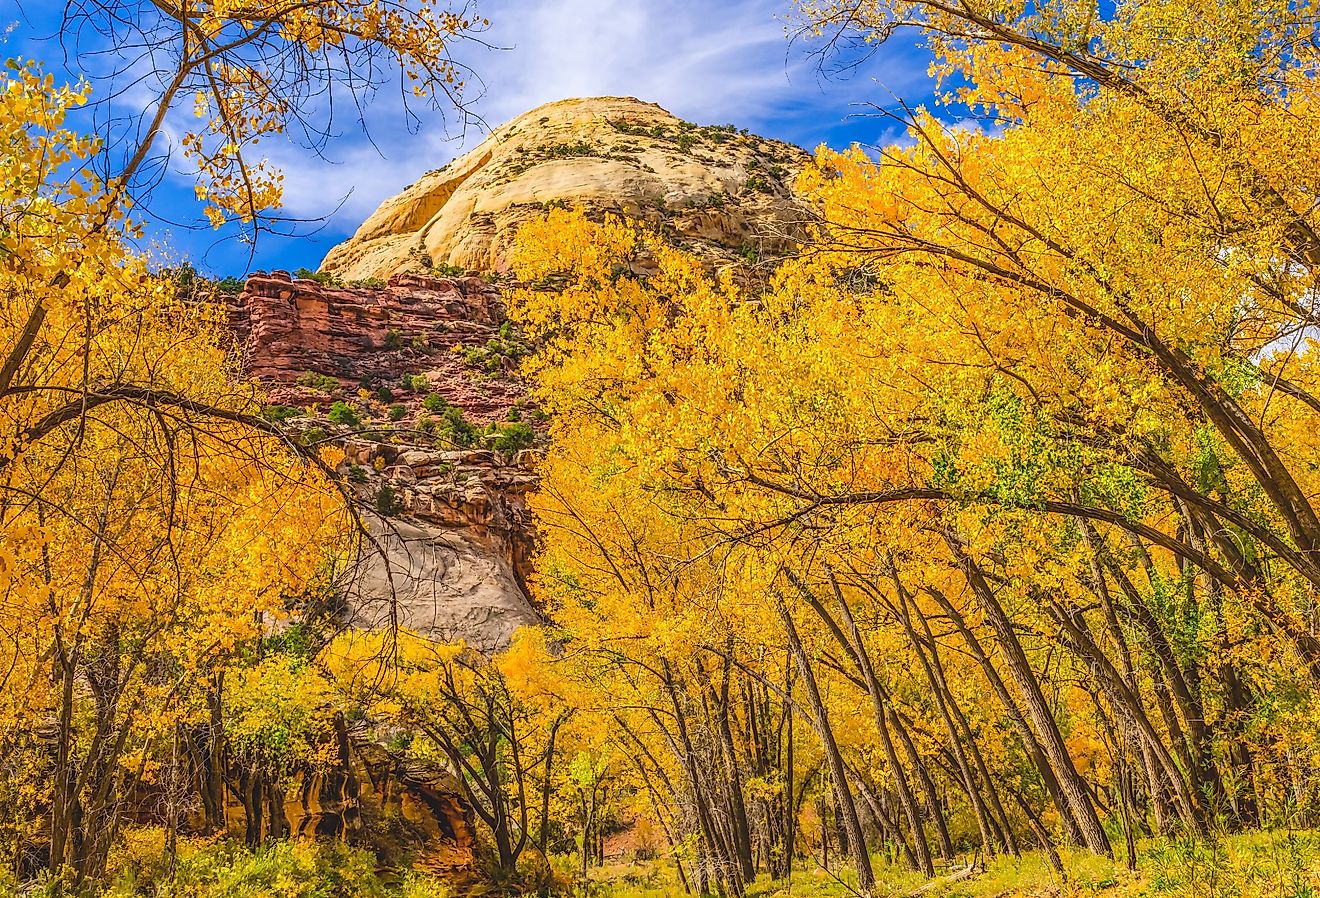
509	438
388	502
424	885
393	339
626	127
288	869
396	412
357	474
417	383
231	285
312	436
324	278
570	150
448	423
490	357
480	357
445	270
343	413
368	284
297	641
278	413
458	429
323	382
185	276
385	394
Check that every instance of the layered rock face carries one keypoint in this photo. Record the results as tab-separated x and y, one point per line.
373	336
455	525
721	192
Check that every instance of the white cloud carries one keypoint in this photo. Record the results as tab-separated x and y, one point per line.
710	62
699	59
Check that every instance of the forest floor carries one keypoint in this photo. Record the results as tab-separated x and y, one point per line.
1262	864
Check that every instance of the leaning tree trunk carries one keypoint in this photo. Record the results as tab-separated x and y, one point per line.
852	644
1049	778
1074	790
853	826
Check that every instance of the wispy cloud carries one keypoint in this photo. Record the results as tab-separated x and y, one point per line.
727	61
699	59
708	62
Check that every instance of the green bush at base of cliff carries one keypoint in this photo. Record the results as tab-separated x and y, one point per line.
280	413
323	382
509	438
416	383
343	413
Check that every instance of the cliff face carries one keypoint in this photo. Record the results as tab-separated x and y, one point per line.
723	193
373	336
415	376
411	358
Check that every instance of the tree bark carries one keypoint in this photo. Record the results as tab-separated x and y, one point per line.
1049	777
838	773
852	644
1070	782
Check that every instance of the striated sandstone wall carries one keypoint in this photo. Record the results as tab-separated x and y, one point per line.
373	336
459	548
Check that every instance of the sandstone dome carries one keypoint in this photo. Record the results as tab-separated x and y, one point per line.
719	191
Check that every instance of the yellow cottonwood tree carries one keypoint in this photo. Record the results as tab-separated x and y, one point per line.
150	525
1050	386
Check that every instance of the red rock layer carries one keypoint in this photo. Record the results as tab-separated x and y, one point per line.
371	337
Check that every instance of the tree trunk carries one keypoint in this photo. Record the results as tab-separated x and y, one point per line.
935	806
741	832
852	644
934	676
1074	790
861	861
1048	776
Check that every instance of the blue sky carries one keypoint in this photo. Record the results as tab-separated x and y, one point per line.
708	61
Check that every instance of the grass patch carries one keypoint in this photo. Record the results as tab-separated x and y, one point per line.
1260	864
